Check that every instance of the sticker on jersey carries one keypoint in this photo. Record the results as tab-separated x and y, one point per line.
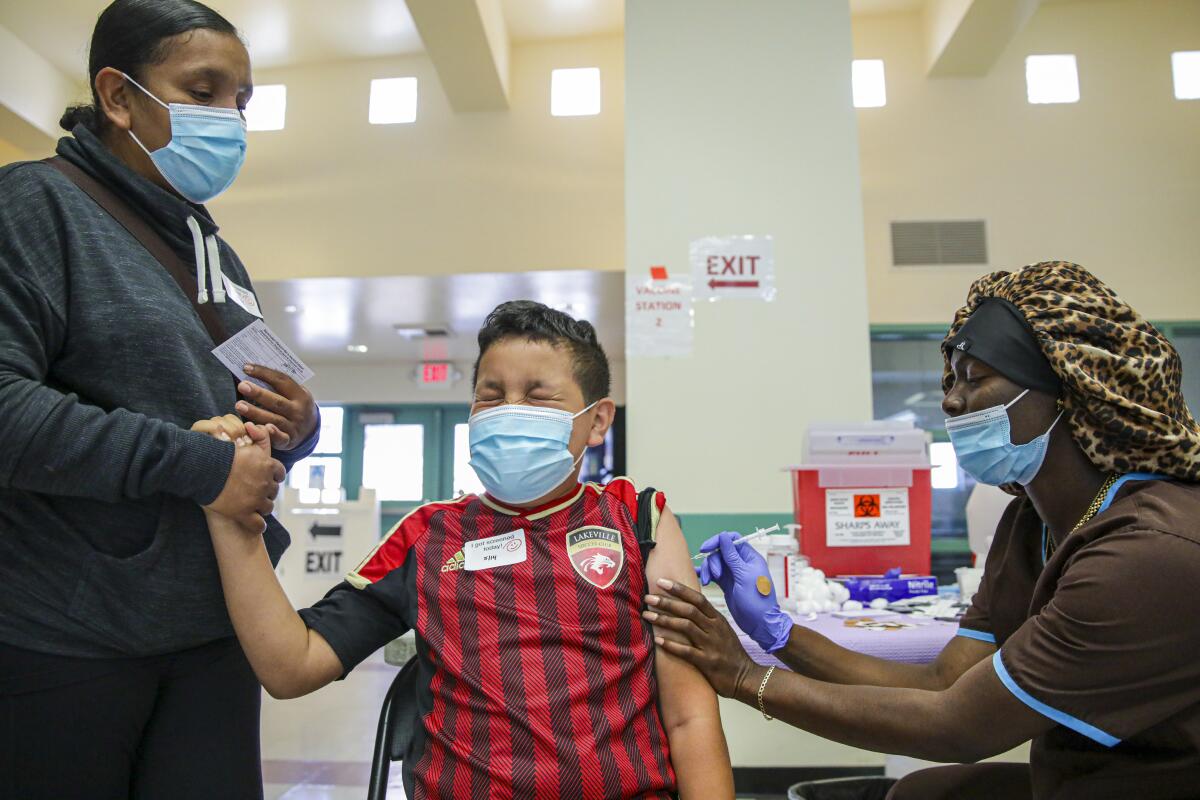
596	554
454	563
494	551
243	297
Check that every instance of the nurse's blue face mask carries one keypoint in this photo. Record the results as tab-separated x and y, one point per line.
206	151
520	453
983	444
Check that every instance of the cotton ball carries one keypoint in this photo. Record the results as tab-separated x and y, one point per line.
879	603
820	575
852	605
829	606
805	607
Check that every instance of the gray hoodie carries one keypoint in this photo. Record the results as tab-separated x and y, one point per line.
104	365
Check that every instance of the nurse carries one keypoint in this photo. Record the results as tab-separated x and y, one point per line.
1083	635
120	676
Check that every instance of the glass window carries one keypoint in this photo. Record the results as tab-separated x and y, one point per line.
906	378
332	420
394	461
465	479
1187	342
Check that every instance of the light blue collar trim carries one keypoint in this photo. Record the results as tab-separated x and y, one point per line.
1121	481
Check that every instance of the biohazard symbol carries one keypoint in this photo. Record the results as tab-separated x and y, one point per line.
866	505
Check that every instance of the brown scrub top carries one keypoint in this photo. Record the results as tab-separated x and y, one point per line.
1104	639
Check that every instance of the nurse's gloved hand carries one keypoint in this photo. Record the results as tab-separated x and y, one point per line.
742	574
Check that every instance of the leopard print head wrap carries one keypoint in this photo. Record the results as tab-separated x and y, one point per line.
1120	376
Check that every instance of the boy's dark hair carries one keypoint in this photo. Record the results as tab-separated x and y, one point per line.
131	35
526	319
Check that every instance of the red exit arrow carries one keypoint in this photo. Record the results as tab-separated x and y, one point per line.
715	284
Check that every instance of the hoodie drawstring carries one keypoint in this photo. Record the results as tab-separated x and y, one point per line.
199	243
214	268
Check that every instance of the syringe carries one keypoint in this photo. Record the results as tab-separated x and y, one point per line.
747	538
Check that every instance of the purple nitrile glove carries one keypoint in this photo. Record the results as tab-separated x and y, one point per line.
736	569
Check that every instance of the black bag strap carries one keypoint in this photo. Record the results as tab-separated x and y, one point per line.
119	210
645	522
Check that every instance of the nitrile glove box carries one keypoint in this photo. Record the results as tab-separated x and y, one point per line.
891	586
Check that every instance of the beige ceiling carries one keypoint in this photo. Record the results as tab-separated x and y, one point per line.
331	313
285	33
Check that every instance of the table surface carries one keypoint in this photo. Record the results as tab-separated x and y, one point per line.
918	642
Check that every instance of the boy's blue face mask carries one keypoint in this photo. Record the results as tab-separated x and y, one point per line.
983	444
206	151
520	453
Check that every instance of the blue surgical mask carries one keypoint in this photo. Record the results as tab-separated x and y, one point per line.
520	452
207	148
983	444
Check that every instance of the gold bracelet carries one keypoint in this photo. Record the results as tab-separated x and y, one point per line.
761	687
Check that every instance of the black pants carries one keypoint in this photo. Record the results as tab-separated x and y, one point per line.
176	727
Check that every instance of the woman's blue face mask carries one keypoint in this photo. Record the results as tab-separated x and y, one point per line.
983	444
206	151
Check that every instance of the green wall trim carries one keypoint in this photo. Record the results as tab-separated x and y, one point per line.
699	527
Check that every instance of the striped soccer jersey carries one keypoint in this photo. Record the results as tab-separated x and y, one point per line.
536	678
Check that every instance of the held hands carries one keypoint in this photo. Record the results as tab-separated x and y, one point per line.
742	574
253	482
289	413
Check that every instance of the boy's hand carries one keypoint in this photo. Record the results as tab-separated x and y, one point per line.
253	482
289	412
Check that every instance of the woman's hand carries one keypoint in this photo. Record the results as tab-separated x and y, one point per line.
743	576
289	413
228	428
703	638
254	478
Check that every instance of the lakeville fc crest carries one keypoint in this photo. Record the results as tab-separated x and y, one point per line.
596	554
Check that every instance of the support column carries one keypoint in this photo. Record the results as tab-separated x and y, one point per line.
739	120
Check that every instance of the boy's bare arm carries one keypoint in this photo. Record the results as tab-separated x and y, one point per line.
689	705
289	659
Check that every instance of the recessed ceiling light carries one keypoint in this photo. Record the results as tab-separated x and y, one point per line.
575	92
1052	79
393	101
291	309
867	83
357	348
267	109
1185	65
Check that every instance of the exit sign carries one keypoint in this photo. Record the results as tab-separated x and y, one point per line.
435	374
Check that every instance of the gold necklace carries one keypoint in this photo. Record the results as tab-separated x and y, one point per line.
1049	547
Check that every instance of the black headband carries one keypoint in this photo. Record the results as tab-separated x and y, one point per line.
998	334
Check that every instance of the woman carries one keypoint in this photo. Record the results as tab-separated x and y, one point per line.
119	673
1082	636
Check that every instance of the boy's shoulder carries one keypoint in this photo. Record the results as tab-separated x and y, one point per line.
392	550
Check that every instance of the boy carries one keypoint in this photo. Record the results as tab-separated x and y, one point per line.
537	676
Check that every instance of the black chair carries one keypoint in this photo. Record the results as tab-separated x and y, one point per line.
397	721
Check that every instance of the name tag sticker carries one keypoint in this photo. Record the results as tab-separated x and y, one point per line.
494	551
243	297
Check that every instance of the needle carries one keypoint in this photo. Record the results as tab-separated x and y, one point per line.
747	538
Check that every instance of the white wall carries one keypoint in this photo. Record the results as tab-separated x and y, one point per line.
1112	182
739	121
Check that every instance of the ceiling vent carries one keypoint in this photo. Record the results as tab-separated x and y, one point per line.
939	242
422	331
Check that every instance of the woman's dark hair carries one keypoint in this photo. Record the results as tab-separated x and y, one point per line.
525	319
131	34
